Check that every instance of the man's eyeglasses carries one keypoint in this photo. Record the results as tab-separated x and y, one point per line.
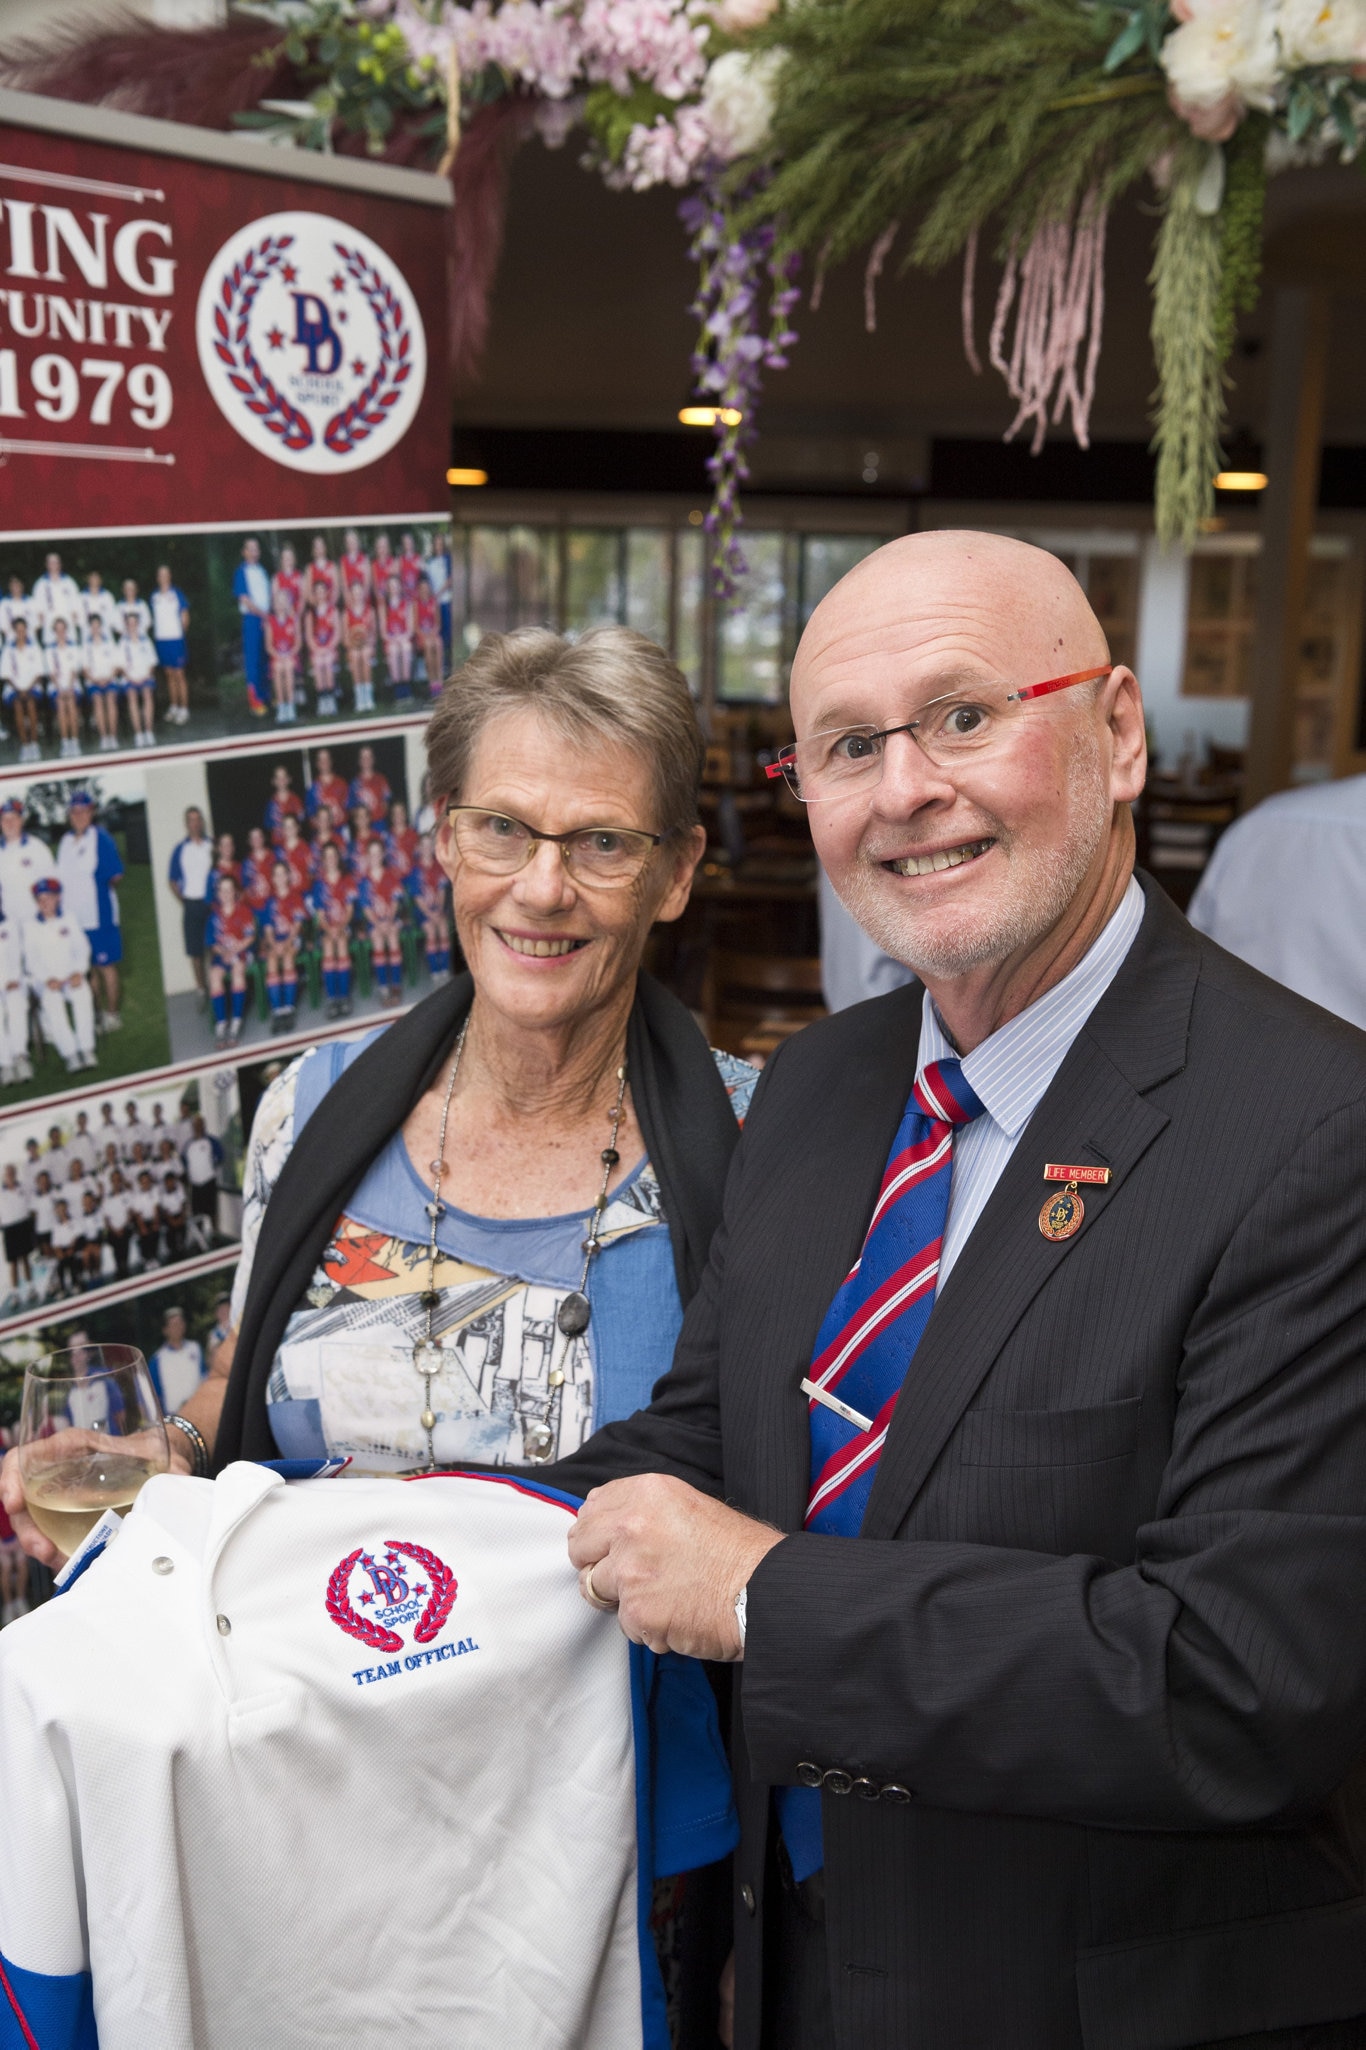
963	725
602	857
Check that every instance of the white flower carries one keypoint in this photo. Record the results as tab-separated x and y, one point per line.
737	100
1223	48
1322	32
738	17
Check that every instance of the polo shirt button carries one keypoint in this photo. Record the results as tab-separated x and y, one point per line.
747	1896
163	1565
867	1790
224	1627
837	1780
809	1775
898	1796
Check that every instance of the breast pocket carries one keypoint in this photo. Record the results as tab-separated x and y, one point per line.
1049	1437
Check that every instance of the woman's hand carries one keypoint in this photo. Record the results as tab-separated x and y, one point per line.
16	1502
25	1529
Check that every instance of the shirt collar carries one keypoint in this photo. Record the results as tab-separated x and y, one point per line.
1011	1070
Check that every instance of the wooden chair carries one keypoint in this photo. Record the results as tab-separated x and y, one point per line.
753	1002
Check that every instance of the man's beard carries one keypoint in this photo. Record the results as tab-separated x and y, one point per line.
1040	888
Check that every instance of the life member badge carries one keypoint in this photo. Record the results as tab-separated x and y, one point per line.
1062	1215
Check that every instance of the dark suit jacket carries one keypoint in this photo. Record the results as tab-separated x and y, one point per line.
1106	1620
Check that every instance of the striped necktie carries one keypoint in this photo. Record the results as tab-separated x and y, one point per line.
865	1346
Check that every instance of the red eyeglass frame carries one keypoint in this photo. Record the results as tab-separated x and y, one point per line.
787	754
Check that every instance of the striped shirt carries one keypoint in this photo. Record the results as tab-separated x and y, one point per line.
1011	1070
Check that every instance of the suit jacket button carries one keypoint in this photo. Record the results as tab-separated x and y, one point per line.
837	1780
898	1796
867	1790
747	1896
809	1775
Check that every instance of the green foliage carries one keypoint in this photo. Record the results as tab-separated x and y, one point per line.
1240	229
360	75
610	116
1144	27
952	112
1186	343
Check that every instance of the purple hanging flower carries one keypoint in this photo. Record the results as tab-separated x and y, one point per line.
736	268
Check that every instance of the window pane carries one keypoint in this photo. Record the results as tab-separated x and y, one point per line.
751	637
488	583
1112	587
825	559
647	582
691	572
531	576
594	597
1220	619
460	585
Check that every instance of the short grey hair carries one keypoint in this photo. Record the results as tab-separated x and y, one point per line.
609	684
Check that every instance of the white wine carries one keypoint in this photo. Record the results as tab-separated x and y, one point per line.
67	1499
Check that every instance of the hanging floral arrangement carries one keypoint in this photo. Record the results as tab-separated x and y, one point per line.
813	131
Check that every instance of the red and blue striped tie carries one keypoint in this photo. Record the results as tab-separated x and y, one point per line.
865	1346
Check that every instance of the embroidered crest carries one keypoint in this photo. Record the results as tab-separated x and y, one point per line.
375	1595
311	342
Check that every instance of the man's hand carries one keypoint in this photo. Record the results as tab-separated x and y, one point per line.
674	1560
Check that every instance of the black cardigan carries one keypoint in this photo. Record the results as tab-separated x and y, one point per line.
680	1101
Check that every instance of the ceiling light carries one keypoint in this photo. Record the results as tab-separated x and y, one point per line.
708	416
467	477
1240	480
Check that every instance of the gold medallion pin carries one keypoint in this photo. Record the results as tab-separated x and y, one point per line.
1062	1215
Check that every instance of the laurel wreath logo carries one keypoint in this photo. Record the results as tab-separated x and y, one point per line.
382	390
440	1600
232	344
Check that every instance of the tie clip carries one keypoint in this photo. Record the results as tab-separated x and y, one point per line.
851	1416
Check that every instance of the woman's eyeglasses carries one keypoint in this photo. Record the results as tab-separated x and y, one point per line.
961	726
602	857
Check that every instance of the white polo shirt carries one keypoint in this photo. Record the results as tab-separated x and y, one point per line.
336	1762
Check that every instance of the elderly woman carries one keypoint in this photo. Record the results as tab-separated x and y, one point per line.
470	1237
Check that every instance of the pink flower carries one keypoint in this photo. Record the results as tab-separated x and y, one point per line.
1214	123
668	153
739	17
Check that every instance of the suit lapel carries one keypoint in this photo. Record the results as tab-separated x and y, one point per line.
1095	1111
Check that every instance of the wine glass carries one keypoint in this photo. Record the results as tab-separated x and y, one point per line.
91	1432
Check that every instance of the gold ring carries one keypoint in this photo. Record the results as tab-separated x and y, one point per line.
591	1595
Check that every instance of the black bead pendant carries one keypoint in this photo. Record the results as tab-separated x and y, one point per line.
430	1299
610	1156
573	1315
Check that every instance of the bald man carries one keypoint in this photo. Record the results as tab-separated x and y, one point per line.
1016	1439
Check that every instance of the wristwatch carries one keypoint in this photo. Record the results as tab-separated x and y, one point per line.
741	1607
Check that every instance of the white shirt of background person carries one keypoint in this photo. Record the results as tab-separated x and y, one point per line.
1285	890
200	1164
853	967
180	1368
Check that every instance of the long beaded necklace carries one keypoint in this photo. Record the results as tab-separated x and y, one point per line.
573	1316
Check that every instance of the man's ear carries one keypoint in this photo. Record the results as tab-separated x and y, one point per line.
1122	705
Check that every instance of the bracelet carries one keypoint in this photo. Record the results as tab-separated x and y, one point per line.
199	1450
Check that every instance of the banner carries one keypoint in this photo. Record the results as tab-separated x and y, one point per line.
225	608
197	330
